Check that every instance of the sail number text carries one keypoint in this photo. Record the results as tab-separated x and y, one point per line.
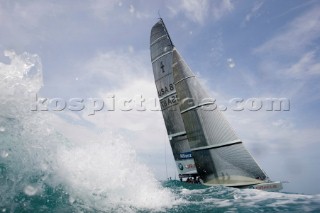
165	90
169	101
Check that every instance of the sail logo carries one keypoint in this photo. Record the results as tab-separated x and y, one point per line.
185	155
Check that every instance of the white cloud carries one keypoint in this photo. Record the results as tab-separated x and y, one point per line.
120	68
101	8
306	67
199	10
131	78
30	13
131	9
20	20
254	10
299	34
131	49
195	10
282	123
113	10
221	8
273	131
293	55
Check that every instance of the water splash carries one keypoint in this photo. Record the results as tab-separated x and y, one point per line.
108	175
4	154
30	190
39	166
24	146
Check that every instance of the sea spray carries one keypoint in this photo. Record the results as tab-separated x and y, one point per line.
40	169
106	174
23	138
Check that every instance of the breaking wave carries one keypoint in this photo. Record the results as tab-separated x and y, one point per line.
40	169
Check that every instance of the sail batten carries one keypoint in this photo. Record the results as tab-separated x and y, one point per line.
217	146
155	41
176	134
194	107
158	57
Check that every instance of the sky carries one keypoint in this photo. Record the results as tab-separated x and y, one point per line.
96	50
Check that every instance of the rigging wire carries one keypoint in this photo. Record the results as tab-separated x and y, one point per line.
165	158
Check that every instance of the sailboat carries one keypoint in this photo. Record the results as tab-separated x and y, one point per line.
203	143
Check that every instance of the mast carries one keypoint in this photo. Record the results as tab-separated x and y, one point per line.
161	49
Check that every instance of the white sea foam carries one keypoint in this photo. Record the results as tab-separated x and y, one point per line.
107	174
251	197
234	200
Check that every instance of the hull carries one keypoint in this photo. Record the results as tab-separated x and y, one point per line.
264	186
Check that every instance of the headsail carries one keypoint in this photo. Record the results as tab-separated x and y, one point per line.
161	57
219	154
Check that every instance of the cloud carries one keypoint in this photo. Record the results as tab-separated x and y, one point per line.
119	68
102	8
307	66
273	132
199	10
289	59
297	35
31	13
221	8
195	10
114	10
253	13
131	9
20	20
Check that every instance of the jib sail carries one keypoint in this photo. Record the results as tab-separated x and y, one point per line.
219	154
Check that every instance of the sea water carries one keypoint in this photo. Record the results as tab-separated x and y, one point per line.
42	171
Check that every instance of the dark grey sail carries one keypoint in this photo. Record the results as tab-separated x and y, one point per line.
219	154
161	57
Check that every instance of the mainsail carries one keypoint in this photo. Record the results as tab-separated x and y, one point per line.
161	57
196	129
